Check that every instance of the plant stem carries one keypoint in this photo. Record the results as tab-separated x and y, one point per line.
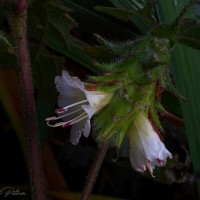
18	23
94	170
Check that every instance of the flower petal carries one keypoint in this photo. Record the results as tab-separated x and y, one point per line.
87	128
98	99
73	81
154	148
70	89
146	148
76	131
89	110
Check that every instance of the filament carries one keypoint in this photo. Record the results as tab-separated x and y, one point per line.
64	109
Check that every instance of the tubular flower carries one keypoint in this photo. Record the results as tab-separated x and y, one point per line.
77	105
146	148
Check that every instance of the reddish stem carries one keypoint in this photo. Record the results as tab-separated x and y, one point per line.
93	173
22	6
19	28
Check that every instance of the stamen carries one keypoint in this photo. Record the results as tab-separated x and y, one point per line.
160	162
56	125
61	110
75	121
78	120
51	119
143	168
70	122
62	116
66	125
150	168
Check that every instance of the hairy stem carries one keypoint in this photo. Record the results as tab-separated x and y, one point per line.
18	23
94	170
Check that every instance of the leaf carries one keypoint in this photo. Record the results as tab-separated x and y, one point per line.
81	52
186	71
78	52
144	18
118	48
167	98
123	14
52	31
100	53
48	33
164	31
5	44
50	24
189	33
84	11
45	68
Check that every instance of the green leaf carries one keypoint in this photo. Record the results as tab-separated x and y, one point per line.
49	23
52	30
117	109
45	68
99	53
78	52
84	11
144	18
164	31
174	107
189	33
186	71
48	33
83	53
119	13
5	44
117	48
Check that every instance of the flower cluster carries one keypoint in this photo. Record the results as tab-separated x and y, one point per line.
124	97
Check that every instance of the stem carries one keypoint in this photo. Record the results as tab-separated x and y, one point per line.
94	170
18	20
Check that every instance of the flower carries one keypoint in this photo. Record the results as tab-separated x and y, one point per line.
146	148
77	105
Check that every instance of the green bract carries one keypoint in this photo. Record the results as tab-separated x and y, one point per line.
137	77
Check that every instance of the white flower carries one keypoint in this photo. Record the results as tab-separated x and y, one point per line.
77	105
146	148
